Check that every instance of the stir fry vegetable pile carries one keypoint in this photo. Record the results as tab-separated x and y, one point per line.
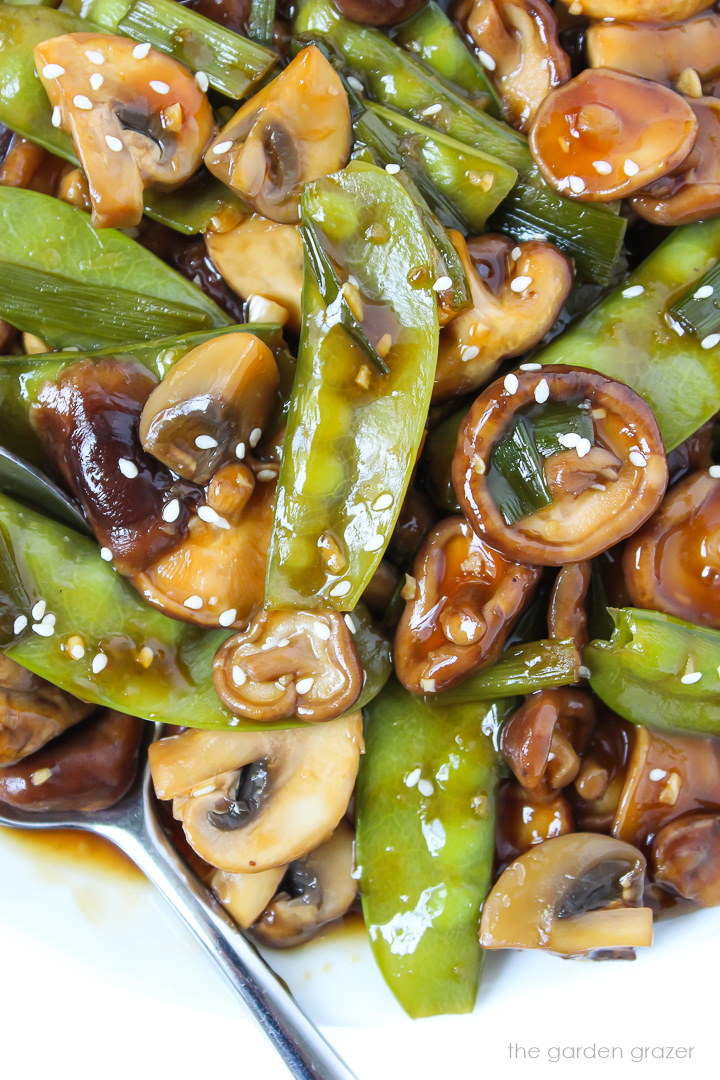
359	401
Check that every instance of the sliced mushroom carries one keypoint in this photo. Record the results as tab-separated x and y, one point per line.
543	739
246	895
667	776
246	820
517	294
27	165
658	51
296	129
218	397
686	858
466	598
600	493
567	618
524	821
417	516
518	43
32	712
137	118
673	563
605	135
290	663
572	895
693	192
696	452
600	780
316	890
262	258
89	767
637	10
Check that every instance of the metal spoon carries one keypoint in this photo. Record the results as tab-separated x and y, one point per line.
133	826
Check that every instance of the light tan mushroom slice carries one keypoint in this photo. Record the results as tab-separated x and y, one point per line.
296	129
246	895
287	803
290	663
261	258
661	52
136	121
32	712
636	10
518	41
218	396
320	888
518	291
573	895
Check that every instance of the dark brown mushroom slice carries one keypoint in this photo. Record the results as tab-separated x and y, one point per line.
672	564
685	858
543	740
599	784
137	118
254	800
417	516
466	598
524	821
517	290
604	135
315	891
517	41
296	129
600	494
383	585
90	767
657	50
378	12
290	663
574	895
32	711
211	407
567	616
667	776
692	192
696	452
638	10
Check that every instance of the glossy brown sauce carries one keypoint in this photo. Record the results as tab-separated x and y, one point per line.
74	846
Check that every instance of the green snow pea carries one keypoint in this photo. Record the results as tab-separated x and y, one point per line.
353	434
425	844
521	669
629	335
658	671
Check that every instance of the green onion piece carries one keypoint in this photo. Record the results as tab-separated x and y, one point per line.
698	311
24	482
44	303
560	418
516	478
261	24
522	669
189	208
331	291
104	13
233	64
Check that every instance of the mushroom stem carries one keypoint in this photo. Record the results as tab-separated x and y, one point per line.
295	659
612	928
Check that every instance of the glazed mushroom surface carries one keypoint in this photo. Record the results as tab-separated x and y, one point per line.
658	51
32	711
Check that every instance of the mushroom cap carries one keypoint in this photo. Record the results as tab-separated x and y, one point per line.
672	564
640	10
686	858
310	775
296	129
467	598
582	520
145	124
658	51
524	821
543	739
501	322
598	786
567	618
32	712
290	663
605	135
573	894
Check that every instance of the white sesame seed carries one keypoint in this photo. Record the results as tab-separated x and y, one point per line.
576	184
128	468
222	147
342	588
266	474
106	554
425	788
56	119
322	631
20	624
193	602
96	80
392	168
227	618
630	167
383	502
43	629
703	292
206	789
40	777
240	451
304	685
53	71
714	471
442	283
638	459
412	777
140	51
710	341
202	81
113	143
171	511
632	291
82	102
432	110
657	774
374	543
521	283
584	672
159	86
38	610
691	677
584	446
569	439
99	663
531	367
94	56
238	675
469	352
205	442
355	84
511	382
428	686
77	651
486	60
542	392
211	517
604	168
254	437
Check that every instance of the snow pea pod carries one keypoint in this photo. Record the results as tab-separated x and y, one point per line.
631	337
425	844
353	434
658	671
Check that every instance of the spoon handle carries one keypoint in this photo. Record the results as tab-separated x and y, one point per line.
305	1052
